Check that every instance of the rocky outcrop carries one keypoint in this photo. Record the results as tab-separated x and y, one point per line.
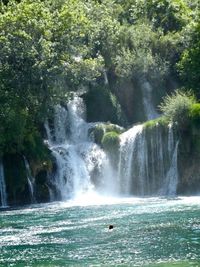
189	161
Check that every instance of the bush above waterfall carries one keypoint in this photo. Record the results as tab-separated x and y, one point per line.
176	107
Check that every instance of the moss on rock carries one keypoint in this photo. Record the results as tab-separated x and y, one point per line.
161	121
110	141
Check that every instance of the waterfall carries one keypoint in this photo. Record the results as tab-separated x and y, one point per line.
149	109
2	187
148	161
171	179
30	180
127	152
77	158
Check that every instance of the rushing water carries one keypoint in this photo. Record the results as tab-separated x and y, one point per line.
147	232
76	156
148	161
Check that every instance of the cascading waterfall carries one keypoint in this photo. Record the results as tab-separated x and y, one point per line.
171	179
148	162
2	187
127	152
76	156
30	181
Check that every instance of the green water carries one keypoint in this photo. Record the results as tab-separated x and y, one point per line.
147	232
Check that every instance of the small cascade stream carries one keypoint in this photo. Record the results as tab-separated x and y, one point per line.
3	194
149	109
30	181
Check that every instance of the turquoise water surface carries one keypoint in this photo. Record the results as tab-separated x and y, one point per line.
147	232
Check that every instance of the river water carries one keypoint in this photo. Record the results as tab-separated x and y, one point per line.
147	232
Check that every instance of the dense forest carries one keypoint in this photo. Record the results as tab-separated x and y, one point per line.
97	48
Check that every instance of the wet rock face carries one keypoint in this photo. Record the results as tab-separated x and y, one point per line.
15	179
130	98
189	162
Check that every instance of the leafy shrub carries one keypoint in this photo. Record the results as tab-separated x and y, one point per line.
189	65
176	107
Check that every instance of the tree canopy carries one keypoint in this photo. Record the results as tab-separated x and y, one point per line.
49	48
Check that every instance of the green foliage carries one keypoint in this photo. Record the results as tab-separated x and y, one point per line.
49	48
170	15
189	65
176	107
136	56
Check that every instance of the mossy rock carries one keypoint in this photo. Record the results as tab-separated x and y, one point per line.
100	129
110	141
162	121
109	127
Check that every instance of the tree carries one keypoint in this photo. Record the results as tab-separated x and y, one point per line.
189	65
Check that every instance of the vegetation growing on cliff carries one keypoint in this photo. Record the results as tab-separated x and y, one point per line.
49	48
176	107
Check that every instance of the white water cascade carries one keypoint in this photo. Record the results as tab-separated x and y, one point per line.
148	162
2	187
30	181
76	156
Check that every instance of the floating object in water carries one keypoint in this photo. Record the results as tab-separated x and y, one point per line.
111	226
